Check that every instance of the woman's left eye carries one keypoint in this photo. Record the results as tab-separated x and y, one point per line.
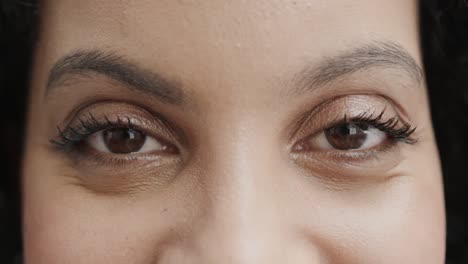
123	141
347	136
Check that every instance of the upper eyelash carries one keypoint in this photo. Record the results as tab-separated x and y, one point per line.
72	135
390	126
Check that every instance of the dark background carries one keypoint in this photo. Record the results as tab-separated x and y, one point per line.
444	34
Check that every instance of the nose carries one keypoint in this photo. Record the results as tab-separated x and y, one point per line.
244	215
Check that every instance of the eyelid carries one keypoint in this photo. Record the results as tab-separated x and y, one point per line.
333	111
112	107
111	115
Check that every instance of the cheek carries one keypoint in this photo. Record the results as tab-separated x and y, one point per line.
60	228
405	227
398	221
64	222
401	222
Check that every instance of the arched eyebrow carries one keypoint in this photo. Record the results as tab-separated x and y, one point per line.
377	54
83	62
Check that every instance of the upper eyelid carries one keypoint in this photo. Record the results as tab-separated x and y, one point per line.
303	120
126	109
307	119
83	125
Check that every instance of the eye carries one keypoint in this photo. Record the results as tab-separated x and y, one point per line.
347	136
123	141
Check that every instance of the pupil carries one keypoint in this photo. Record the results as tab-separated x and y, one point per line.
347	136
123	140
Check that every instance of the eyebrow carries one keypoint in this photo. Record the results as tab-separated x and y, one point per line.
83	62
377	54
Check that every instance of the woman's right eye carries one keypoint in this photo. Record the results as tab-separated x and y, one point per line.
124	141
109	146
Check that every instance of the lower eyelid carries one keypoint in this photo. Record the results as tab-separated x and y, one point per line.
353	160
116	175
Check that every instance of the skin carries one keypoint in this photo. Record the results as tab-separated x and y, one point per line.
238	189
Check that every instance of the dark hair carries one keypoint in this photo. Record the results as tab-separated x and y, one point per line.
444	31
16	29
444	39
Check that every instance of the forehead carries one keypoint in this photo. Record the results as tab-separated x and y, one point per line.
210	21
232	41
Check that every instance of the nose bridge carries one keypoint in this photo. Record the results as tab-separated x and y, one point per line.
246	220
246	191
242	214
243	222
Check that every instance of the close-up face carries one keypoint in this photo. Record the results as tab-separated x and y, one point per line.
230	132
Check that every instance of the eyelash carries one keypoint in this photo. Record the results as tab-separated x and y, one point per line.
72	136
391	126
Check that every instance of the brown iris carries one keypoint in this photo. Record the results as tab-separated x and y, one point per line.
347	136
123	140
